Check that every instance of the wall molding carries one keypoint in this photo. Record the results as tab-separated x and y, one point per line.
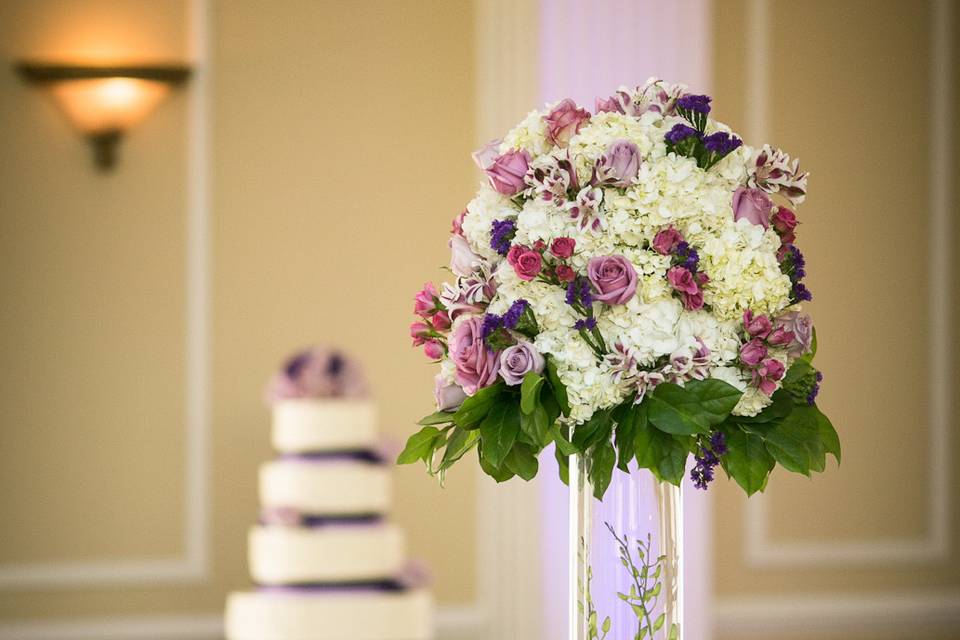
193	565
879	615
758	549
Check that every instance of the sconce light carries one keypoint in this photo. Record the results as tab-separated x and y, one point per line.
103	102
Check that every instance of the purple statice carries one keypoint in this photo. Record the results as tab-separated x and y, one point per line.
501	234
691	102
721	143
491	322
572	289
815	390
707	458
679	133
800	293
586	295
513	314
579	291
587	324
686	256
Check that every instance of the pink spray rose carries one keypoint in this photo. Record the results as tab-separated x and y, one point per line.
440	321
457	224
682	280
766	376
528	264
614	279
753	352
463	261
476	365
507	172
419	331
801	326
619	164
667	240
449	397
752	205
785	222
518	360
433	349
425	302
780	336
565	273
757	326
564	121
563	247
514	253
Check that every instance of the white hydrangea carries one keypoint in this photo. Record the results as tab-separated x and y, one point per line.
738	258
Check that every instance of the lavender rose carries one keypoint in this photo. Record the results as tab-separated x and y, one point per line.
476	365
564	121
449	397
752	205
518	360
614	279
619	164
801	326
507	172
463	261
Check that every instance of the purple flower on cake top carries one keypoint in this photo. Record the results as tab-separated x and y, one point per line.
318	372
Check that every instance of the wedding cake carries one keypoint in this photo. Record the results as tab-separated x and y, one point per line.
327	562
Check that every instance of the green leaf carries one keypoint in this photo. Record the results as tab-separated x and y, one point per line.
499	431
475	408
559	391
536	427
828	435
626	432
498	474
563	464
795	442
459	443
419	446
550	404
673	457
716	397
438	417
658	623
563	445
522	461
594	430
747	460
646	446
601	468
530	392
673	409
798	370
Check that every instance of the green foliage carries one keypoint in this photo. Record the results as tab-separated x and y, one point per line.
439	417
522	461
420	446
476	407
499	431
559	391
747	460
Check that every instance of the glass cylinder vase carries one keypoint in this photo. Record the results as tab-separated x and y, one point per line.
625	557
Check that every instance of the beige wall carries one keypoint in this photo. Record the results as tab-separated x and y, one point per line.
339	151
848	90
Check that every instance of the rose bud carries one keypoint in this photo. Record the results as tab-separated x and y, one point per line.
563	247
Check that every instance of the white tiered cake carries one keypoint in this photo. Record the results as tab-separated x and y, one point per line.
327	563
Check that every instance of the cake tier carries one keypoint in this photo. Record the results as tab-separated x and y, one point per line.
305	425
329	615
325	486
327	553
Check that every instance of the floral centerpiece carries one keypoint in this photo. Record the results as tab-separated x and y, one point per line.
628	288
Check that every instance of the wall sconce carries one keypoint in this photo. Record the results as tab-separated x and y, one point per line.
103	102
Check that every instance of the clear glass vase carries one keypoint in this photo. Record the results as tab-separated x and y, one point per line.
625	552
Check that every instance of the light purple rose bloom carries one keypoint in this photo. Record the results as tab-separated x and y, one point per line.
477	365
801	326
752	205
485	155
449	397
613	278
619	164
518	360
463	261
507	173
